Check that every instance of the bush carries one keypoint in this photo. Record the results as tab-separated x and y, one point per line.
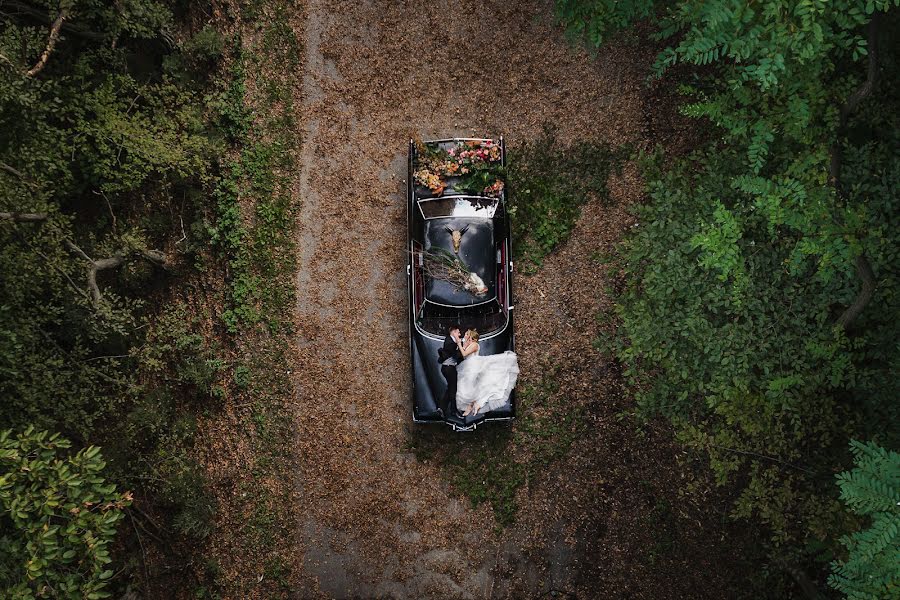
63	518
760	308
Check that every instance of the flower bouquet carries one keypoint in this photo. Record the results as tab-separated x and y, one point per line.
473	165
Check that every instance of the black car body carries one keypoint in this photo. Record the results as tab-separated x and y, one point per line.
485	247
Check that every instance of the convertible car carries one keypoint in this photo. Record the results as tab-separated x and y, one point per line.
459	268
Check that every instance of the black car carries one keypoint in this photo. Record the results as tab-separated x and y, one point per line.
460	267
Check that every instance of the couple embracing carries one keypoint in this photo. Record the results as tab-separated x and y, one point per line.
475	384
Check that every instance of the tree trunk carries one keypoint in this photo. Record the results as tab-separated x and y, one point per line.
863	268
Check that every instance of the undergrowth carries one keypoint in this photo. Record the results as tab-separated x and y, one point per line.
252	232
549	183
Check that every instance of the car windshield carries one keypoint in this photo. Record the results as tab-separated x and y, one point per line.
459	206
486	318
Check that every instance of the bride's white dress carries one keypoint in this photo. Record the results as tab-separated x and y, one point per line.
486	380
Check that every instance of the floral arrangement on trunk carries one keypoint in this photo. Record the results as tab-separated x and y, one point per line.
443	264
475	163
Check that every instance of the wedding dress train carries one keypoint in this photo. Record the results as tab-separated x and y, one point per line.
486	381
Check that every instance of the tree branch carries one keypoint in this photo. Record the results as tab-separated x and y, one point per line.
52	265
39	15
763	456
155	256
13	171
20	217
100	265
94	266
109	206
51	43
863	268
71	246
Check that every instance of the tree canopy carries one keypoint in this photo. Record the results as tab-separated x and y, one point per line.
761	298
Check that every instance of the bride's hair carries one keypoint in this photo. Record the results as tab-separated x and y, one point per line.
473	334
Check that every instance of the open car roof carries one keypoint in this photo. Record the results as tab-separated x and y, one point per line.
476	251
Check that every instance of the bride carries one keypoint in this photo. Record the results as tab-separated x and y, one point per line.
484	382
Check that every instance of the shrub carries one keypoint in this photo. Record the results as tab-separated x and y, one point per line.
63	516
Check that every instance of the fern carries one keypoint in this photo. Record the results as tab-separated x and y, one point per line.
871	489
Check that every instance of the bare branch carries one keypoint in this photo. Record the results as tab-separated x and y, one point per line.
97	372
157	257
13	171
763	456
71	246
109	206
61	272
51	43
51	264
94	266
183	234
100	265
20	217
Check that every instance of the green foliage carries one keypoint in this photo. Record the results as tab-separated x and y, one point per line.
746	252
596	20
764	44
720	251
552	182
116	138
256	249
871	490
175	348
181	372
734	362
207	45
726	339
58	518
99	144
120	139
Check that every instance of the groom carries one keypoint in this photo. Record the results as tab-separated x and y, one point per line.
450	356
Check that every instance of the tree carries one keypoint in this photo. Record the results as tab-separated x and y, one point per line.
775	89
101	154
760	306
63	516
871	490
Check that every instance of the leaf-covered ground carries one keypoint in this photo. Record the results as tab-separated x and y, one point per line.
378	509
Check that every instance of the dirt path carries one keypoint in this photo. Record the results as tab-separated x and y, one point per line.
375	521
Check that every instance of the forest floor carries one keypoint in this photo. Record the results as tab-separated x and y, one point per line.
378	514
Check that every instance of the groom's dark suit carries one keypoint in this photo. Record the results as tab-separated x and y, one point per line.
450	356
